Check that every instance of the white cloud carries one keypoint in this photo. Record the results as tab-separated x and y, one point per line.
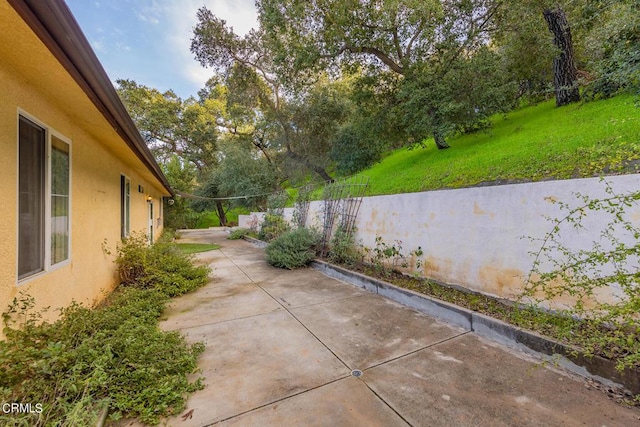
180	18
150	19
150	40
97	45
122	46
150	12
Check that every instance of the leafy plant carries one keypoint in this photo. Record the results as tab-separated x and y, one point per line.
114	355
160	266
600	286
272	227
386	258
294	249
254	224
302	205
238	233
343	249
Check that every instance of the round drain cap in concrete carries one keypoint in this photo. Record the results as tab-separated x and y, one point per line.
356	373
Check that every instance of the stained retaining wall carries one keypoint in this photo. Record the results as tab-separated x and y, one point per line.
480	238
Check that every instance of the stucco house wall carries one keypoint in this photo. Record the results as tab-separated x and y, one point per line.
34	84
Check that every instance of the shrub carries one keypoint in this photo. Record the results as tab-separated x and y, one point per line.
343	249
160	266
238	233
114	355
272	227
293	249
609	326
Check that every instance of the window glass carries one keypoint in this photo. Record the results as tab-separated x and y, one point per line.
125	190
31	190
59	200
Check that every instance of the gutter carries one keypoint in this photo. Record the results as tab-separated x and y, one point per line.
54	24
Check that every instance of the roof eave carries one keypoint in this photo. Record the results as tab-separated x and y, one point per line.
54	24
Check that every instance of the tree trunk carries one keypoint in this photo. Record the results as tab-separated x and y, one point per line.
441	142
298	158
321	172
222	215
315	168
565	77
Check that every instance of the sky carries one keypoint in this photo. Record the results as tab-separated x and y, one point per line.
148	40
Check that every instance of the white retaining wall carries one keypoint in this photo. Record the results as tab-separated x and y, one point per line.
478	238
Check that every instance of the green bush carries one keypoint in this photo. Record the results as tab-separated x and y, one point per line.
272	227
343	249
609	327
238	233
293	249
160	266
114	355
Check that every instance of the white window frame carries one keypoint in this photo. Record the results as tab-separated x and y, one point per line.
49	132
125	208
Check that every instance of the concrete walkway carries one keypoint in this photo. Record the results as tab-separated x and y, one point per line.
281	347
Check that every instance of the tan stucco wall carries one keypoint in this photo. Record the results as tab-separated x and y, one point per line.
44	90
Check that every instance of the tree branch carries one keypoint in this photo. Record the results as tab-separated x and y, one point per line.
415	37
386	59
396	43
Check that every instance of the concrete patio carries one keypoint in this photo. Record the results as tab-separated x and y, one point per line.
281	347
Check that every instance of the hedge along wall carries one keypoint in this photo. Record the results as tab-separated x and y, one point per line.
479	238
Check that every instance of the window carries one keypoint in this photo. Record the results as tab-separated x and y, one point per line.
31	188
43	199
59	200
125	196
150	235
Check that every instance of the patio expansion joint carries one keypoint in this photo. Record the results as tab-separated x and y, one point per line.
305	327
386	403
417	350
323	302
382	399
277	310
279	400
277	300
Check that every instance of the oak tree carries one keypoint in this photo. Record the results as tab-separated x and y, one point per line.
407	37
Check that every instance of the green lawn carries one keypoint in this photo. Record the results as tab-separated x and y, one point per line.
210	219
530	144
192	248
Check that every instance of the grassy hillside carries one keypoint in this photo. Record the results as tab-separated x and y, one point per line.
530	144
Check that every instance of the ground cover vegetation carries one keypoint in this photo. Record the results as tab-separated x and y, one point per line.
112	356
324	89
239	233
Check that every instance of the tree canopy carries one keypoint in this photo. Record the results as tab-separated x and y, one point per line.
326	87
172	126
257	96
426	42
